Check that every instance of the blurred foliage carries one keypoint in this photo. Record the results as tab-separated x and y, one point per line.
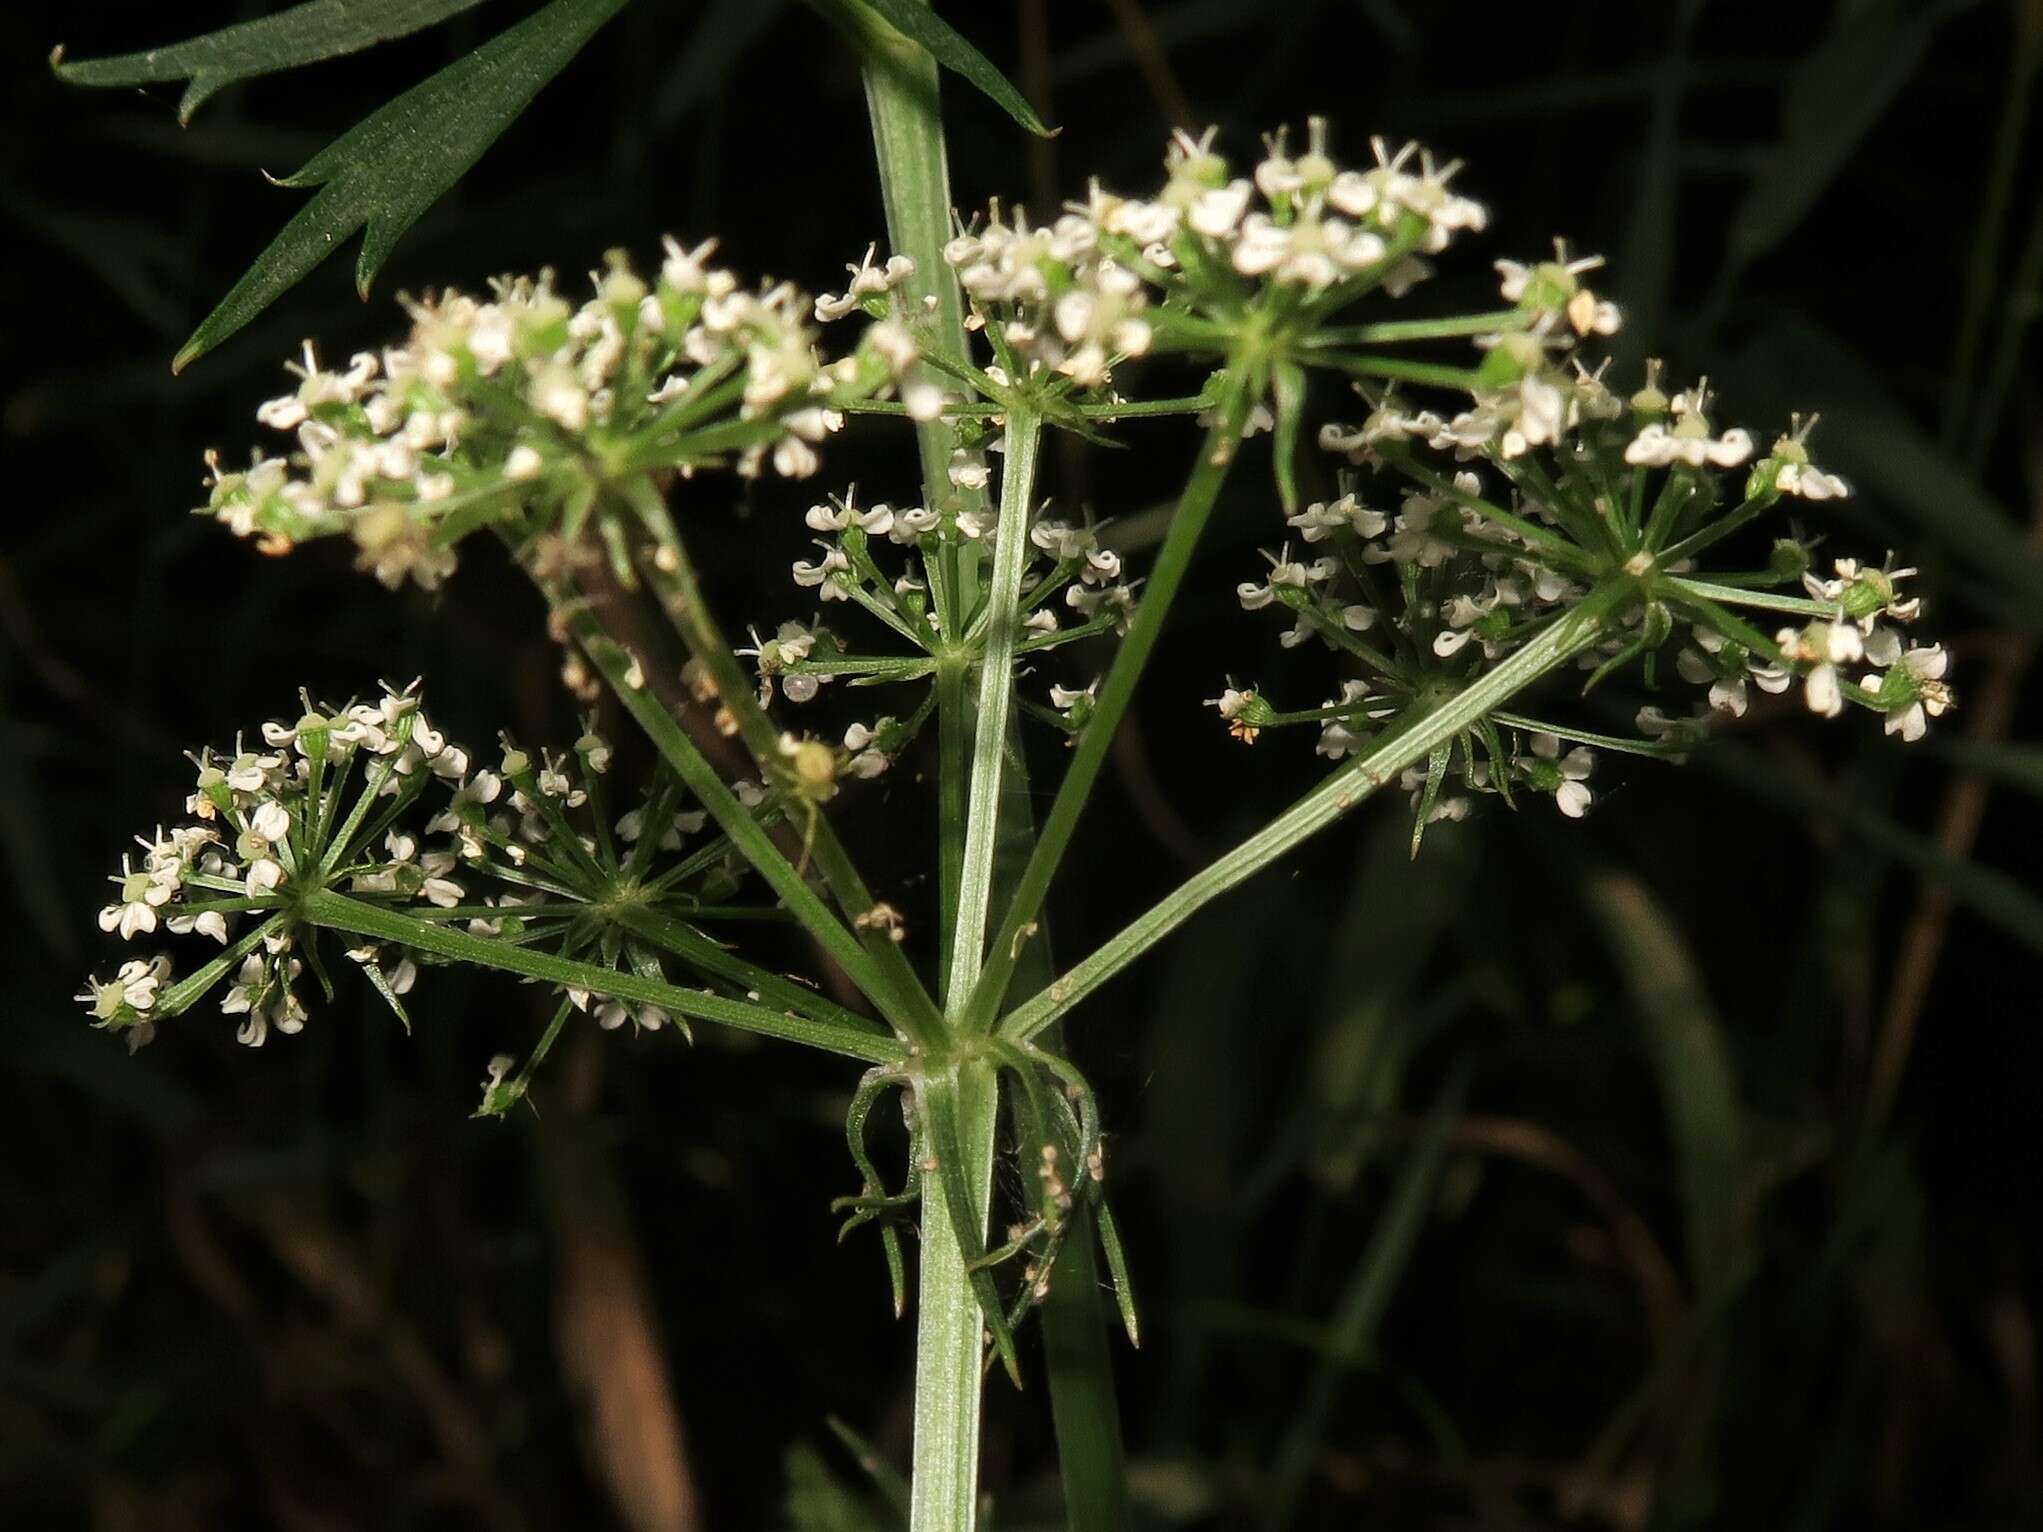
1716	1108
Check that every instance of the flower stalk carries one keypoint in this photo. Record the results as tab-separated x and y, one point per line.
337	912
1344	789
1195	505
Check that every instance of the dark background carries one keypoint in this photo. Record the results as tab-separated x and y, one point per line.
1683	1267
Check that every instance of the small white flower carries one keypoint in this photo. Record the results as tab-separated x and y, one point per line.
1823	692
1809	482
1657	447
867	280
1568	773
968	469
207	923
829	575
1913	690
444	893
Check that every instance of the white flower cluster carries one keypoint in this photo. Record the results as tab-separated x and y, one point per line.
534	839
1461	593
1510	526
1304	222
333	801
269	822
1535	402
1049	299
1551	291
526	411
1073	587
1116	277
1907	684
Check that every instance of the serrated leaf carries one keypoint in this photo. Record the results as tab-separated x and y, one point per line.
305	34
916	21
383	173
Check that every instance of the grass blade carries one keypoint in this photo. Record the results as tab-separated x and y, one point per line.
1835	96
1351	1333
1684	1041
2006	901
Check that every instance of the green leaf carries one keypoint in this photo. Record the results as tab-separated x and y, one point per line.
383	173
305	34
916	21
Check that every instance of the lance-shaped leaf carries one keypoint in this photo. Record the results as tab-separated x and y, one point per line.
305	34
384	172
920	24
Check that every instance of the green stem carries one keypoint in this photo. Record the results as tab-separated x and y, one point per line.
701	951
949	1350
1761	600
908	142
1201	491
336	911
1692	545
953	785
672	575
1393	330
746	833
1136	409
996	690
1354	781
1396	369
1573	736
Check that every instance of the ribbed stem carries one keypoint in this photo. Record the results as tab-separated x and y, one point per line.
901	95
949	1346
